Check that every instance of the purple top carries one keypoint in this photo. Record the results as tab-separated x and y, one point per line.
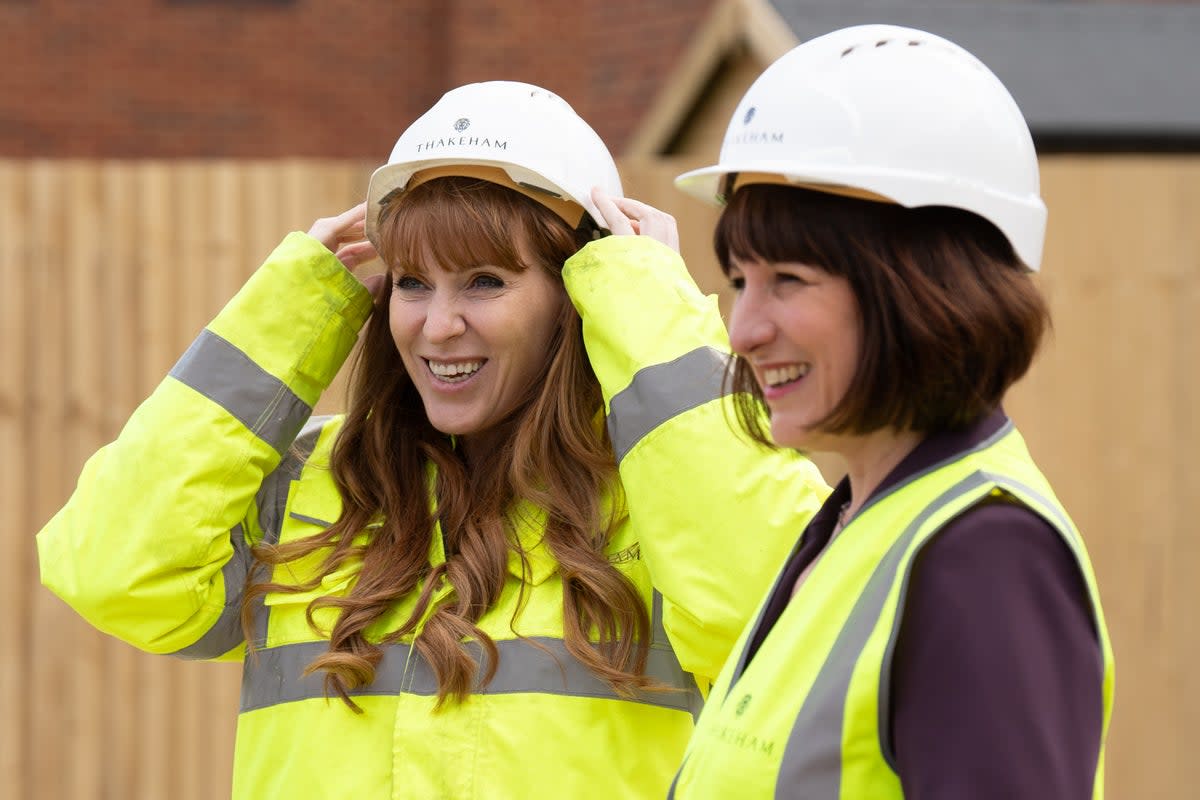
997	673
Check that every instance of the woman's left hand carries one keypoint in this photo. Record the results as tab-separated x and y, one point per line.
344	236
627	217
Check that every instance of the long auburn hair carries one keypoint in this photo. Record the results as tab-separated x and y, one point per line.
553	453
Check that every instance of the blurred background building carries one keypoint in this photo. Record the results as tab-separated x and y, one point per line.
309	78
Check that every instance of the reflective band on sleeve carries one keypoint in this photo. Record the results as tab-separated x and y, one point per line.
271	498
664	391
672	673
226	632
539	665
658	630
811	764
227	376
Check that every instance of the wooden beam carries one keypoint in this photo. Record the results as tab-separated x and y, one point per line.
731	24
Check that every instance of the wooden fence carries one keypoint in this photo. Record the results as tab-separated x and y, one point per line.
108	269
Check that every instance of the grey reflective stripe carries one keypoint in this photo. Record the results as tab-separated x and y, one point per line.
658	631
227	376
538	665
812	759
672	673
740	667
1045	506
273	494
664	391
1065	529
226	633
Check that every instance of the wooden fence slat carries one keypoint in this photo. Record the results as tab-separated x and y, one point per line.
159	699
82	319
190	276
119	293
53	628
16	581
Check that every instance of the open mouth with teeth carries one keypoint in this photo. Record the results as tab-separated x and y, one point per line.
780	376
453	371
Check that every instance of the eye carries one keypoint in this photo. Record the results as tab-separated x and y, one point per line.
485	281
407	283
793	278
735	277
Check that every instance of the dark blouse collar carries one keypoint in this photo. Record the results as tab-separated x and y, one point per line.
933	449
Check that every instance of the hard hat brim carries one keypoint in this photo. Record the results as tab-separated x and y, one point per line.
392	177
1021	219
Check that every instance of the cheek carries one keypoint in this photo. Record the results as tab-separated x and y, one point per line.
851	340
550	307
534	346
401	321
735	327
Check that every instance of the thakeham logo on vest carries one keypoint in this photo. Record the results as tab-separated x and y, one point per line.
746	741
742	738
461	125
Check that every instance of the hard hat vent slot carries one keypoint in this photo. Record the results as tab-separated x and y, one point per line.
880	43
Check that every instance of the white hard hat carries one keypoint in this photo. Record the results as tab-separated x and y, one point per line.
543	147
890	112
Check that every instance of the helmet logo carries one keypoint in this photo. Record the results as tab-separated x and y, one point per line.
752	137
462	124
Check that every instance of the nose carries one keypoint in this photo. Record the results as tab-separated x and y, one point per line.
443	319
750	326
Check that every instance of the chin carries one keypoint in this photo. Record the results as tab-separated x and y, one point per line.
452	427
797	438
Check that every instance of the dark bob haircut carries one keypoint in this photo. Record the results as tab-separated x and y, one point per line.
950	316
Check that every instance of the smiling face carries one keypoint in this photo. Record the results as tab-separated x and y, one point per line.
798	327
477	309
474	339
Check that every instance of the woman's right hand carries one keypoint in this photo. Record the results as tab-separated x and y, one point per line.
345	237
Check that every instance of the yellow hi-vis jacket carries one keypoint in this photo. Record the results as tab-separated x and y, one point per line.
803	718
153	545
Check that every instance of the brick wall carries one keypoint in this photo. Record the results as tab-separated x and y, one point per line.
318	78
606	58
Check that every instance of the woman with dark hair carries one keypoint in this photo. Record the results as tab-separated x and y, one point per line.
936	632
517	562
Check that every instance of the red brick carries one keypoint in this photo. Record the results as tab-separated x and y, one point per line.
319	78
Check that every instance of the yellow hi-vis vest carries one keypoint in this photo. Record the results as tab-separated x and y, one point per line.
153	546
803	718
